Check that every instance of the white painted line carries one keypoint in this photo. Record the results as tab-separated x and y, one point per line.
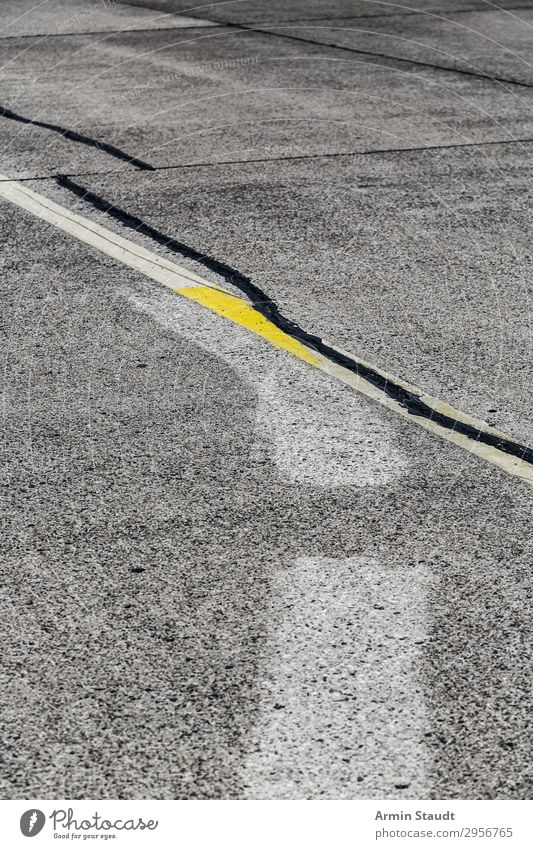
167	273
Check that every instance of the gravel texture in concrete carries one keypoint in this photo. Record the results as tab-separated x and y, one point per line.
223	574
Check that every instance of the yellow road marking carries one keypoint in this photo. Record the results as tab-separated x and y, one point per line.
237	310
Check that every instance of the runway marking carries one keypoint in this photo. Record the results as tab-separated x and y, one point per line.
128	253
261	316
237	310
361	629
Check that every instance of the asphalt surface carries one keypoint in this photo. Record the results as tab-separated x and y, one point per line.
225	575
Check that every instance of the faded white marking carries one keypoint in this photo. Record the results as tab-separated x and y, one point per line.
314	431
342	711
169	274
321	436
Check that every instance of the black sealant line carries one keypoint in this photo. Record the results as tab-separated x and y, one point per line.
388	57
303	156
410	401
403	13
72	135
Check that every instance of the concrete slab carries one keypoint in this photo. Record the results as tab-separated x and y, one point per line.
202	96
24	18
496	44
192	521
253	11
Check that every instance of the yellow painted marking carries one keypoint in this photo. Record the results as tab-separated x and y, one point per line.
237	310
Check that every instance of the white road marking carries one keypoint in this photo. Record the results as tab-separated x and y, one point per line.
342	711
315	432
321	435
167	273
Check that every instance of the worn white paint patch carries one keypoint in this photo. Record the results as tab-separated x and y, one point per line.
309	425
342	713
322	436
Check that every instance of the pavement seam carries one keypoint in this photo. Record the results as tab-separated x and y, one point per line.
389	58
402	14
109	32
341	154
215	24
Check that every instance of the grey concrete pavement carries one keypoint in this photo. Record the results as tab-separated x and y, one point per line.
24	18
224	574
201	95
